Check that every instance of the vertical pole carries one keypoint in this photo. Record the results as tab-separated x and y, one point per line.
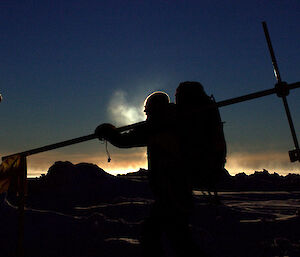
282	85
289	117
21	205
273	58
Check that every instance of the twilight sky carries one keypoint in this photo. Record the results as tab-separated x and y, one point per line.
68	66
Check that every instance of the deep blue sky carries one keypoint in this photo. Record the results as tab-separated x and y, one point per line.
65	63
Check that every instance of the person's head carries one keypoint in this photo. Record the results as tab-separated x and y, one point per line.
156	103
190	93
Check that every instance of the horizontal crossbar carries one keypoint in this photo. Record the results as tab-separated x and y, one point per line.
125	128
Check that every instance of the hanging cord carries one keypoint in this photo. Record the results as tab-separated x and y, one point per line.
107	152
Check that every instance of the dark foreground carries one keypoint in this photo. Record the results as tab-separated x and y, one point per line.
245	224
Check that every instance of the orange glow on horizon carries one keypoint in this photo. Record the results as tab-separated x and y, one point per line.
124	162
121	163
272	161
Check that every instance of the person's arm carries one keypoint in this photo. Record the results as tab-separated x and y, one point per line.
136	137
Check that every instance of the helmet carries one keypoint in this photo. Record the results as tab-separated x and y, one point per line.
156	101
189	92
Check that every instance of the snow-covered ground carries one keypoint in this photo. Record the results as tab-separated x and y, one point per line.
245	224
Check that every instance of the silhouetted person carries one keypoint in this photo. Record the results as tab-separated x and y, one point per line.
171	188
202	141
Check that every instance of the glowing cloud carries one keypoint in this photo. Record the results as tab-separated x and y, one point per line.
122	112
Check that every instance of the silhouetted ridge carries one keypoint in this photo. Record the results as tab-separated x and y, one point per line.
140	175
83	174
66	186
259	180
262	181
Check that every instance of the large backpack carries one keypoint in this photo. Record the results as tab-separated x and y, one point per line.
201	134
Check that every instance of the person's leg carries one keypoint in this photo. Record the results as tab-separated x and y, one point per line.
151	233
180	235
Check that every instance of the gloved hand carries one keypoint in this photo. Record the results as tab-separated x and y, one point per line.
105	131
